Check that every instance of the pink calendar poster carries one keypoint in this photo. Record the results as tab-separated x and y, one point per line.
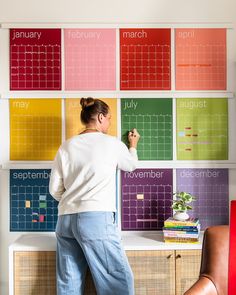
145	59
90	59
200	59
35	59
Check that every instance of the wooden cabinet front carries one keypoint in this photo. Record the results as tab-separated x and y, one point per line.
156	272
187	269
35	273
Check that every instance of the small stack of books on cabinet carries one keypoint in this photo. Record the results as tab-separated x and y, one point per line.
176	231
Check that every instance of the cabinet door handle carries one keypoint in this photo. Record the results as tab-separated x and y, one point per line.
169	256
178	256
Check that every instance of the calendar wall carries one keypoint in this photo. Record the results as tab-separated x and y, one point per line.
151	15
139	72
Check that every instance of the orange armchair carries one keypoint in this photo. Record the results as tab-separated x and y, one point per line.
213	278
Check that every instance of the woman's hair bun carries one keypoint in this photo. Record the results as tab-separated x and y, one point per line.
86	102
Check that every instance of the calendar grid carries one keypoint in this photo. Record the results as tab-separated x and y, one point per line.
201	59
35	132
148	212
146	196
73	109
145	67
207	133
35	64
212	195
90	60
156	135
145	59
202	129
32	208
153	120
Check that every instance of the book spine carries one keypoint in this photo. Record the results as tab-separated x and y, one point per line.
177	241
173	224
177	235
182	227
182	240
182	230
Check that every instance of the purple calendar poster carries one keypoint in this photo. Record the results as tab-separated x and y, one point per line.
146	198
210	186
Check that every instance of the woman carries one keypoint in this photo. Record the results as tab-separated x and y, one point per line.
83	180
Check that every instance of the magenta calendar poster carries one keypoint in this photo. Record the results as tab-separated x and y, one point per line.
35	59
90	59
145	59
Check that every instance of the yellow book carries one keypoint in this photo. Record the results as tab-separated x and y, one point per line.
171	222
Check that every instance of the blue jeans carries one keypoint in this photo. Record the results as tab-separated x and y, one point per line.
91	239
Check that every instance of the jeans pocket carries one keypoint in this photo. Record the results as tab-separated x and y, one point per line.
63	227
92	226
114	256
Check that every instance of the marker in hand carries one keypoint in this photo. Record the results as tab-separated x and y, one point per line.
133	138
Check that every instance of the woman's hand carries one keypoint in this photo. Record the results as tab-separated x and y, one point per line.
133	138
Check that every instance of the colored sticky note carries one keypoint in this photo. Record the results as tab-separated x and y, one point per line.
73	109
41	218
140	196
42	205
27	204
42	198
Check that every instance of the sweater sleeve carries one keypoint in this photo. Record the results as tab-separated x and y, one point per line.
127	158
56	184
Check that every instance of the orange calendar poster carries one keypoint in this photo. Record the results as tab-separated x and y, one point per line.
73	109
200	59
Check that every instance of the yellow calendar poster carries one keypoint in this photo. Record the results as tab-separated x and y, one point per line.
73	109
35	129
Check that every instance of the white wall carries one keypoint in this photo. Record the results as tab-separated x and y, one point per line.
117	11
171	12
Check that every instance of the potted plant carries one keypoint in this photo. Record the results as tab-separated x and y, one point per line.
181	205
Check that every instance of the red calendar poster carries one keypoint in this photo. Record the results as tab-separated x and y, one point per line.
232	250
35	59
145	59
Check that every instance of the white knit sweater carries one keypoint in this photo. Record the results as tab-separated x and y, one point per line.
83	177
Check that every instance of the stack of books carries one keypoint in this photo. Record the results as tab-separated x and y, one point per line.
176	231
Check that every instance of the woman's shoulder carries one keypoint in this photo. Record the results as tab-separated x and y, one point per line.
70	141
110	138
103	138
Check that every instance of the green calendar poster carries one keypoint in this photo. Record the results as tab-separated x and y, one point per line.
202	129
153	119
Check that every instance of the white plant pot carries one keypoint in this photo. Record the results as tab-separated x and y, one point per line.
182	216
